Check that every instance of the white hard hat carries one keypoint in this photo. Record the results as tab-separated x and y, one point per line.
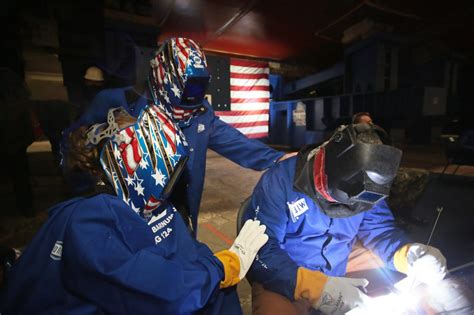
94	74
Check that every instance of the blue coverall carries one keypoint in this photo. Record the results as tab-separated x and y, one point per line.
96	255
301	235
111	98
206	131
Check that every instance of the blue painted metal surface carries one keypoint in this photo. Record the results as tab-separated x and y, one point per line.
333	72
392	109
288	124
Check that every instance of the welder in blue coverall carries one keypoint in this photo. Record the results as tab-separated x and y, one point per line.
126	249
315	207
179	80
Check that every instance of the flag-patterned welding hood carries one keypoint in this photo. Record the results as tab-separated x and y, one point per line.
179	76
143	161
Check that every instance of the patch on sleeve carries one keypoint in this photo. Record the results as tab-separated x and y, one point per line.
57	251
201	128
297	208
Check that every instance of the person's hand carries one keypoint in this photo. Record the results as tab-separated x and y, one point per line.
341	294
287	156
240	256
426	263
249	241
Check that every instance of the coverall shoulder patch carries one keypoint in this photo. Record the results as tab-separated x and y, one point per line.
297	208
57	251
201	128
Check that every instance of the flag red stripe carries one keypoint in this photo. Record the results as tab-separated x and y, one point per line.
257	81
250	76
249	124
247	63
242	112
162	72
182	54
153	199
169	131
166	121
180	43
249	88
136	151
250	100
257	135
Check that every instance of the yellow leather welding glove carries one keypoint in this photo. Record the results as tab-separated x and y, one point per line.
425	263
240	256
329	295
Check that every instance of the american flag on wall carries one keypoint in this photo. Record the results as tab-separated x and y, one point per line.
249	98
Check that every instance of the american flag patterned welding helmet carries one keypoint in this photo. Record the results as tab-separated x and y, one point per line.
143	161
179	76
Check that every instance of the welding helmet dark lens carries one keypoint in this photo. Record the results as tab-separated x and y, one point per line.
194	92
369	197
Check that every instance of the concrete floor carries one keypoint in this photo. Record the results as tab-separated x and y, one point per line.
226	186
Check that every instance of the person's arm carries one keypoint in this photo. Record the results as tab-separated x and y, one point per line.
235	146
379	233
100	266
100	105
273	268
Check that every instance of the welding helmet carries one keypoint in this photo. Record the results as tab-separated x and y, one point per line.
142	161
350	172
179	76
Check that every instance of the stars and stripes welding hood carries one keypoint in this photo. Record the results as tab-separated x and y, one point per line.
179	76
144	161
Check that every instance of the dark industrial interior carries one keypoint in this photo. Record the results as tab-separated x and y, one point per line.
410	64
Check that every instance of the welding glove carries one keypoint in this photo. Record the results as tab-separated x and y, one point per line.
240	256
424	263
330	295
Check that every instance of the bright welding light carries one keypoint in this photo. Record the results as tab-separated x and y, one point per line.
391	304
443	297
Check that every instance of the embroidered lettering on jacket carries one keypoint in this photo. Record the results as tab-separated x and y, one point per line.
155	228
297	208
159	225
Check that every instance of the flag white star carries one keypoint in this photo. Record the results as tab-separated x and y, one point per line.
159	178
144	162
175	90
162	92
129	180
139	189
165	80
167	99
137	182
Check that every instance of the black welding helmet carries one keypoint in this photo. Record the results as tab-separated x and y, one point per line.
350	172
